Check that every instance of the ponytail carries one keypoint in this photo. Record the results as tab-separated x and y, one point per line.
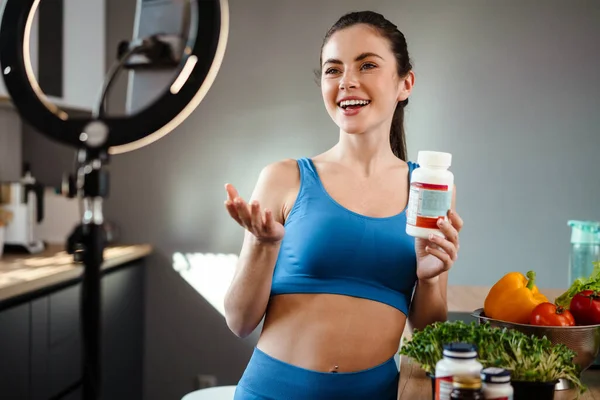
397	135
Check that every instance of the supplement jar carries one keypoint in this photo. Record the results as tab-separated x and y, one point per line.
430	197
496	384
460	359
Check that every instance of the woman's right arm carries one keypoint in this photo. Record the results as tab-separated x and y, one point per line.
262	217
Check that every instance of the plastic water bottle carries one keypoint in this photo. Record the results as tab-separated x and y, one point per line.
585	248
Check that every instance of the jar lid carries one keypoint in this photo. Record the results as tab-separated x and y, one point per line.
460	350
434	159
495	375
585	232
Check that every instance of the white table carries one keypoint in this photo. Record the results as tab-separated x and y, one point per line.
213	393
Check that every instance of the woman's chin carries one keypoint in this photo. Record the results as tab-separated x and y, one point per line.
352	129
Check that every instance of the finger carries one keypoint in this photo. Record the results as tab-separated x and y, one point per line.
243	211
231	209
445	245
456	220
232	193
449	231
257	223
443	256
269	222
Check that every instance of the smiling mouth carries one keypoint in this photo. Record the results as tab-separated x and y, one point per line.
353	104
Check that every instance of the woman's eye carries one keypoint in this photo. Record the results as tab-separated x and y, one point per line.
330	71
368	66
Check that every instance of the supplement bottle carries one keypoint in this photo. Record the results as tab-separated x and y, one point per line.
496	384
466	388
430	198
460	359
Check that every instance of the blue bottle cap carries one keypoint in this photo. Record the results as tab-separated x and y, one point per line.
495	375
460	350
585	232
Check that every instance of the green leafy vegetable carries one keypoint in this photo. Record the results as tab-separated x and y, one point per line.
529	358
590	283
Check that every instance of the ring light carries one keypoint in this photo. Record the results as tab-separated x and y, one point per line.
196	55
203	54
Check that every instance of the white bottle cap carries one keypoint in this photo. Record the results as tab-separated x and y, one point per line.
434	159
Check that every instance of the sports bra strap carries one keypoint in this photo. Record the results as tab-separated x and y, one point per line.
308	172
411	167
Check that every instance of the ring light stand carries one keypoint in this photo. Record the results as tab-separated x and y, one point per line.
198	59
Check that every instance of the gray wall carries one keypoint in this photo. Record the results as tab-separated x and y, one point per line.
10	143
510	88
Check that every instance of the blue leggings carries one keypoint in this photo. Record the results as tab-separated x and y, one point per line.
267	378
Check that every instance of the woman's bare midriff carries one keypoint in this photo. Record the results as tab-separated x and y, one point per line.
328	332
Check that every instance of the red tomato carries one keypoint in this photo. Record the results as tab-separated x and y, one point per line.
585	307
548	314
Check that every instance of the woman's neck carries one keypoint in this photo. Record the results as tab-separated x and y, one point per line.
366	152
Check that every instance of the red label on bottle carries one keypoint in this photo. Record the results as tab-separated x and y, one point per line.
443	387
427	203
429	186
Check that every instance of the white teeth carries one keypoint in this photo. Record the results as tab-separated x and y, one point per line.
347	103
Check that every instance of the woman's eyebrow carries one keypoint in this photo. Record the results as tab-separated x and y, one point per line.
360	57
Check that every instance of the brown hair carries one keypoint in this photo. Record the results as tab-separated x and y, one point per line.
398	45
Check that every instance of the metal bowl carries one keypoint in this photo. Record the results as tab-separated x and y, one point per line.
583	340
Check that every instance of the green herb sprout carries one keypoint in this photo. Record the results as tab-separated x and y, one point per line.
528	358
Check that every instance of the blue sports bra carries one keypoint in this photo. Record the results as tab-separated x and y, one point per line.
330	249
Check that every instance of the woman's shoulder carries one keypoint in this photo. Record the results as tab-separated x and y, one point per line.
279	183
407	165
280	176
281	170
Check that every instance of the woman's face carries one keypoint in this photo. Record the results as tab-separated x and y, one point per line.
359	65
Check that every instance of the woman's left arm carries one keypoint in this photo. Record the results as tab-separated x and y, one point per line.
435	257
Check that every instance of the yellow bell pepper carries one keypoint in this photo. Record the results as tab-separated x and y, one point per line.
513	298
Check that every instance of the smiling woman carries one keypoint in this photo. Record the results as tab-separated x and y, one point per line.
326	259
371	66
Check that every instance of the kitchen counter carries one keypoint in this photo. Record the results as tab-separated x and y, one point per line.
415	385
24	273
40	323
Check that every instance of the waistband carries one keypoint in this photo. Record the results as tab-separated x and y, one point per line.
270	378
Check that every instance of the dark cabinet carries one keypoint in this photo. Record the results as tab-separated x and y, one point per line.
123	336
14	353
40	341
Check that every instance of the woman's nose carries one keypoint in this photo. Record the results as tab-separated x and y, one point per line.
349	81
